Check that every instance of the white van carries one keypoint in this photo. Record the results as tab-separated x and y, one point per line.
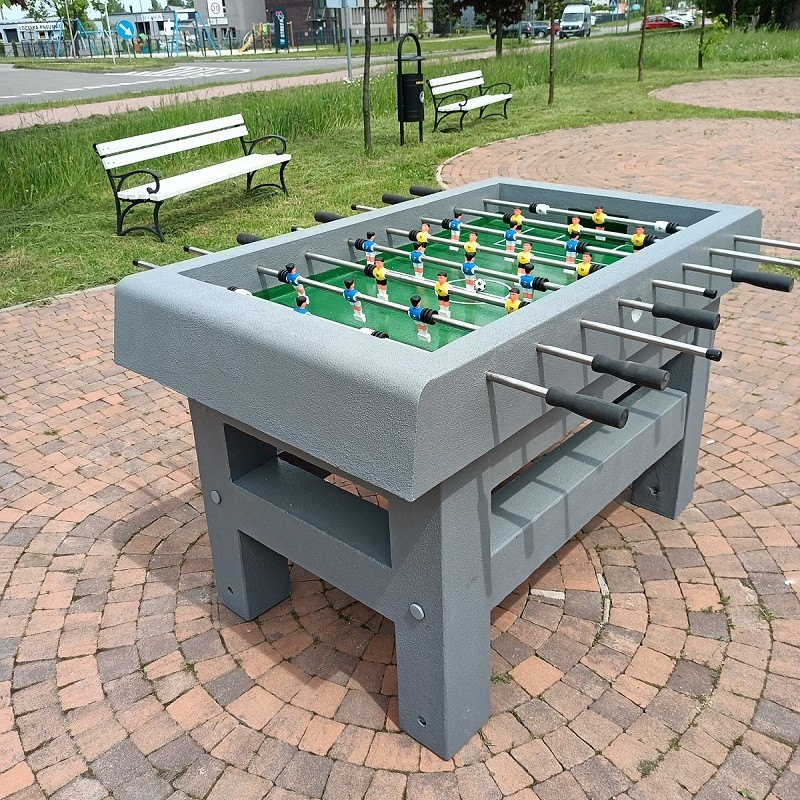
576	20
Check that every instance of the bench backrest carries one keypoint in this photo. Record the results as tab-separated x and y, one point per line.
135	149
455	83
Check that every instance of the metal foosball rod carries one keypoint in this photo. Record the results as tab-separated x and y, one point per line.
661	226
738	237
138	262
687	288
556	226
590	407
780	262
405	278
695	317
412	236
631	371
764	280
524	237
196	251
711	353
431	318
541	284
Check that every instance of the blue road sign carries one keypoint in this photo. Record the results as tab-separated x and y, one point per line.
126	29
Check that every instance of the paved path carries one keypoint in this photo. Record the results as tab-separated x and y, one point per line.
120	676
754	94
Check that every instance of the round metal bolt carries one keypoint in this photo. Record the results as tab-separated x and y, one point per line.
216	497
416	611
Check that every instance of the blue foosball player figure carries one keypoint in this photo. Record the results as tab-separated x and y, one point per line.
526	281
369	247
350	294
511	240
468	270
293	278
455	229
417	312
301	302
416	256
571	247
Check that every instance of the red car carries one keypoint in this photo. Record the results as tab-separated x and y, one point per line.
656	21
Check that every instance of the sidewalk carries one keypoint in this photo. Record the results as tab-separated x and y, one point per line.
122	677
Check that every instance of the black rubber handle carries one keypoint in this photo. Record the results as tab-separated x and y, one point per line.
394	199
696	317
711	294
766	280
247	238
712	354
326	216
632	371
422	191
589	407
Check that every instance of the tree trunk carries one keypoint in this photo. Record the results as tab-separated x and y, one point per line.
498	37
552	76
397	19
365	87
640	63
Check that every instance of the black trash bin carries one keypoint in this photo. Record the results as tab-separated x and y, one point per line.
410	87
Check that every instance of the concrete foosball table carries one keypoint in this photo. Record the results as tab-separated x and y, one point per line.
279	400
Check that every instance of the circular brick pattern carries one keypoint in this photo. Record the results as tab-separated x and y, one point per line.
743	94
673	674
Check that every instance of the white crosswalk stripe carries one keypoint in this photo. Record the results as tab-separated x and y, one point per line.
187	71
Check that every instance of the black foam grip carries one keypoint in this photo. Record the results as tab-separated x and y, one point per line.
359	243
711	294
380	334
632	371
369	270
532	207
281	276
187	248
581	248
672	227
765	280
427	316
393	199
422	191
712	354
507	218
445	223
412	235
696	317
326	216
589	407
649	239
247	238
539	283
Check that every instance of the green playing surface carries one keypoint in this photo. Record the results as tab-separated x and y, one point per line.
399	326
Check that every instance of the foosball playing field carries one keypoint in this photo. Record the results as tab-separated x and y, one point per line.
495	272
475	434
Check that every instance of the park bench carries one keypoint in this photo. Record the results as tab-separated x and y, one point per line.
122	153
450	97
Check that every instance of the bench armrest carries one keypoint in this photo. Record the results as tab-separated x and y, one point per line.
250	144
485	89
120	179
448	98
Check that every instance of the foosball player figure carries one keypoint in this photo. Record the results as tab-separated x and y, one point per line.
516	217
416	256
416	311
586	267
512	301
423	233
511	239
637	240
301	302
599	219
379	273
471	245
574	226
571	247
468	269
369	247
351	295
455	229
442	289
526	281
524	258
293	278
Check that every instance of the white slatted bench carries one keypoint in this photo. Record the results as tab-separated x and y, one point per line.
137	149
450	97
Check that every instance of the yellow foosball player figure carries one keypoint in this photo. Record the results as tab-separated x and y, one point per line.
442	289
599	219
637	240
423	233
524	258
471	245
586	267
512	301
516	218
574	226
381	283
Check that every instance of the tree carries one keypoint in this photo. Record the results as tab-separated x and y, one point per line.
115	7
640	63
365	86
48	9
497	15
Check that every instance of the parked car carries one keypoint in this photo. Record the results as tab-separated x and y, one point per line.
523	29
576	20
682	16
657	21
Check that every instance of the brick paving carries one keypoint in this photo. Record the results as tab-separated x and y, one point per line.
122	677
743	94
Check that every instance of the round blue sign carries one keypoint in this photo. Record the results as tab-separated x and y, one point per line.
126	29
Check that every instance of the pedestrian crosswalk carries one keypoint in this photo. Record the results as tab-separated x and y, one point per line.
186	71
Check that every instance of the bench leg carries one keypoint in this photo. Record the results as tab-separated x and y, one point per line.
281	185
123	212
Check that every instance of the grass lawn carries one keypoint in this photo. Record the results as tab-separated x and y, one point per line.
56	208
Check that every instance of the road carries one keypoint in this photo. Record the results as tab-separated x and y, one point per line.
37	86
